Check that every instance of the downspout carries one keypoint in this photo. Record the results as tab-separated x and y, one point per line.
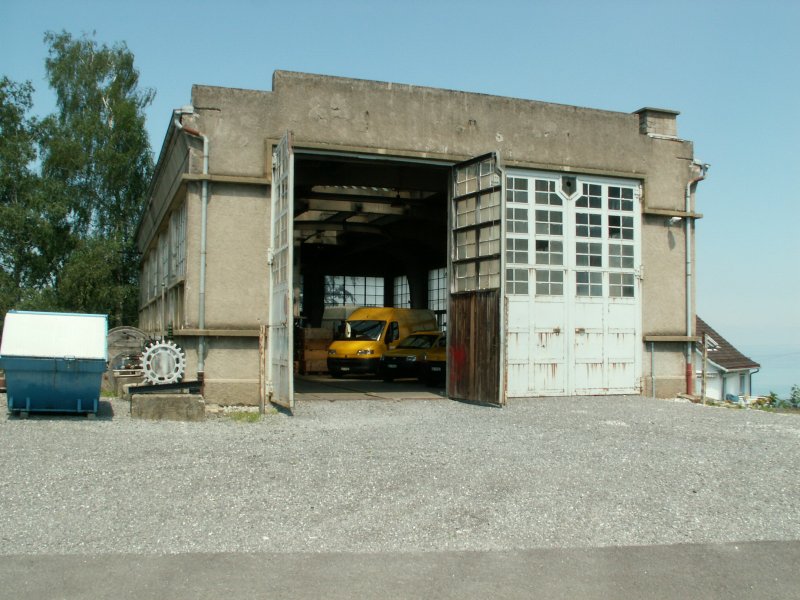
689	325
201	318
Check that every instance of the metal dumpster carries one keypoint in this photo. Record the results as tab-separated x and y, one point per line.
53	362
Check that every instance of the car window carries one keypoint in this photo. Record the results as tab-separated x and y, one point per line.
418	341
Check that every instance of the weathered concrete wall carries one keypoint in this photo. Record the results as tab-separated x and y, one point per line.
392	118
231	368
663	287
669	369
237	271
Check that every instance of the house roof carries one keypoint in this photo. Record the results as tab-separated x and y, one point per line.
724	354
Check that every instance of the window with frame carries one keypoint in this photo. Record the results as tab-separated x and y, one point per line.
589	283
517	189
620	227
549	222
621	285
401	292
517	250
353	290
517	281
516	220
153	274
620	198
465	212
549	252
549	283
591	197
620	256
588	225
588	254
437	295
465	244
489	240
177	240
545	193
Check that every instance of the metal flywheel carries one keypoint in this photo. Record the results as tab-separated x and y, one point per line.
163	362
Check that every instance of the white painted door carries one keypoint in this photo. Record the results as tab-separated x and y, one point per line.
572	285
281	312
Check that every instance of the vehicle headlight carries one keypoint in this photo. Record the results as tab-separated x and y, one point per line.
411	358
365	352
331	353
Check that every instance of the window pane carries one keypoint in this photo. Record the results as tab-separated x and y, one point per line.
517	189
591	196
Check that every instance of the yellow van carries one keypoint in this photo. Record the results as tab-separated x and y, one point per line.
368	333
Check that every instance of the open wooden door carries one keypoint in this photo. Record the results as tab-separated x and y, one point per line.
281	312
475	272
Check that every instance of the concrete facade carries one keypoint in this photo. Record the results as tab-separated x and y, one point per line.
366	118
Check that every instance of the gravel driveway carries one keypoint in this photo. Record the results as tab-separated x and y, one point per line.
383	475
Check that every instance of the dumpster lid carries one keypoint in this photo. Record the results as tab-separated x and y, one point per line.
54	335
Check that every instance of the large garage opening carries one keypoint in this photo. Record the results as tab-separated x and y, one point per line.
368	231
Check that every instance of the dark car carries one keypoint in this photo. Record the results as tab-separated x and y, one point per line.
434	363
406	359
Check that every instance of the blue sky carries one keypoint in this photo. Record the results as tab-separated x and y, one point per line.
730	67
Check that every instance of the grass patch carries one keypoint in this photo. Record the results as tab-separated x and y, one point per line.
244	416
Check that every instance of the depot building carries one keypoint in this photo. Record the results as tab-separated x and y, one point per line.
554	243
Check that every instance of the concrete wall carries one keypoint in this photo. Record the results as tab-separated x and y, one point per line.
404	120
236	268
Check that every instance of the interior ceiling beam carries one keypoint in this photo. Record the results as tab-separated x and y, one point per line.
353	207
334	226
387	198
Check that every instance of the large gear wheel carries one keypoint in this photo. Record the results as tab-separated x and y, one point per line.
163	362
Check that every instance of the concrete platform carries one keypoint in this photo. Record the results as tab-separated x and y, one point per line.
168	407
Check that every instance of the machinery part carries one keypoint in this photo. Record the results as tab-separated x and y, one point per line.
163	362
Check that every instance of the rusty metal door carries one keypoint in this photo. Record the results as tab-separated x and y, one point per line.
475	272
281	313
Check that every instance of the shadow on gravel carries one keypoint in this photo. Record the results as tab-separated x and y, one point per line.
105	412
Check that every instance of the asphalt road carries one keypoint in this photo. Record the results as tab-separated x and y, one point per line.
561	498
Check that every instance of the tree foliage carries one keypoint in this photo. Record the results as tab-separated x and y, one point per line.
72	184
33	229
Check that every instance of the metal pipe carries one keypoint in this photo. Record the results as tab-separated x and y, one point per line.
688	237
201	317
653	369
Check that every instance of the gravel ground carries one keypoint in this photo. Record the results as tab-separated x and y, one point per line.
383	475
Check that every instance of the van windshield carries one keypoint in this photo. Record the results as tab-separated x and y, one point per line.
363	330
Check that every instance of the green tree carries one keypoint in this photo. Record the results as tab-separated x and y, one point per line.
95	149
34	233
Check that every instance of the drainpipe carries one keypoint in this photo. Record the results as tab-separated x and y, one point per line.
201	319
689	325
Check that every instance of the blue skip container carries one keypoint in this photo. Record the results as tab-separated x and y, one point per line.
53	362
